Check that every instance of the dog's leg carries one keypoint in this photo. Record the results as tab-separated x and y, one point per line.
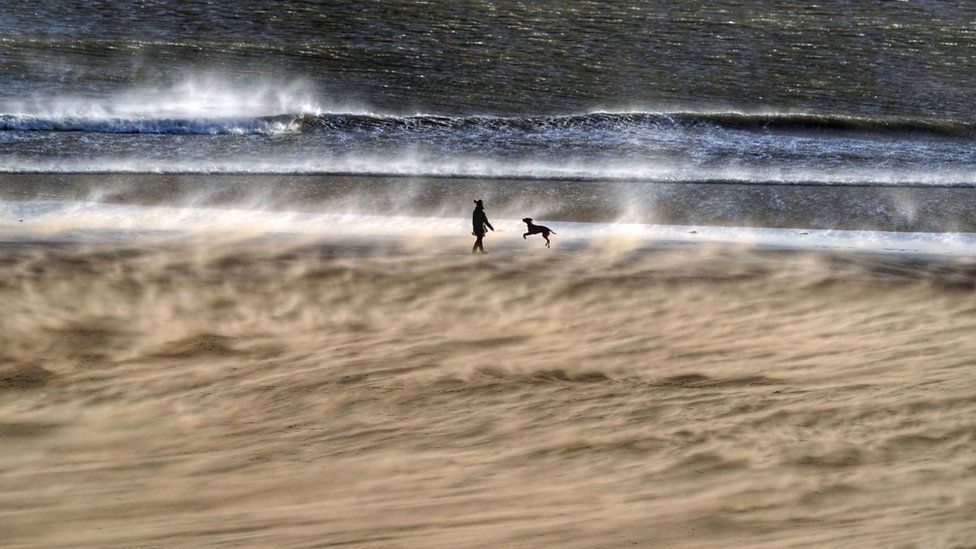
525	235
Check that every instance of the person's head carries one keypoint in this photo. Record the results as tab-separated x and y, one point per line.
479	203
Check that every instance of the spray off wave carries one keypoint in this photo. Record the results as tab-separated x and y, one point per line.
192	105
593	147
215	126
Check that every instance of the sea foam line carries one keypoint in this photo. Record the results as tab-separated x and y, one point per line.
411	165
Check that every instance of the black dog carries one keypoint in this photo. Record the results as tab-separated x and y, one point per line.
536	229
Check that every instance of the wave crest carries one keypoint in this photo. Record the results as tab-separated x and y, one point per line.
624	121
179	126
520	128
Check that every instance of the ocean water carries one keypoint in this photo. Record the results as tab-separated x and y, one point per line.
238	305
835	92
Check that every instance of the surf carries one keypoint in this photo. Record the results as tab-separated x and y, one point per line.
210	116
176	126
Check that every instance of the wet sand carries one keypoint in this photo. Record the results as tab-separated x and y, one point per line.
921	206
313	394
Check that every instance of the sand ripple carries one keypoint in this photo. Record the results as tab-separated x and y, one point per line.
317	395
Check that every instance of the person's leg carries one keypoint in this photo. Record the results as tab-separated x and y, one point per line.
478	245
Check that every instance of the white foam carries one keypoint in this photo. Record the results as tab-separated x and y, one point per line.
208	126
20	220
198	96
414	164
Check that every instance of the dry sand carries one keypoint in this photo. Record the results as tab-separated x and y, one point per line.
318	395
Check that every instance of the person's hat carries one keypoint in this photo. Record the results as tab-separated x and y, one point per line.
479	202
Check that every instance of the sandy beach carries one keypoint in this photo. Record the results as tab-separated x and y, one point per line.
311	394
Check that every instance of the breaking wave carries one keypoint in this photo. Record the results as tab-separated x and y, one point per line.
196	104
525	127
178	126
636	121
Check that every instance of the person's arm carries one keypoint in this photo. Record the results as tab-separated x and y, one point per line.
489	224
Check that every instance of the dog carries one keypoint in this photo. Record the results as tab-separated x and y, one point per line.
537	229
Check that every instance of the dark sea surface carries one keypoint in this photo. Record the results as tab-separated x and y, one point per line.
864	59
833	92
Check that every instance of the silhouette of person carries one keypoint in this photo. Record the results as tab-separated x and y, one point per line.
479	220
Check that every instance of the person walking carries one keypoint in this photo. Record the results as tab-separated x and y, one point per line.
479	220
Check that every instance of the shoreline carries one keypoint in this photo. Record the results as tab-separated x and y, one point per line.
840	207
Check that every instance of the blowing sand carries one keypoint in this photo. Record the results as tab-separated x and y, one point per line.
315	395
